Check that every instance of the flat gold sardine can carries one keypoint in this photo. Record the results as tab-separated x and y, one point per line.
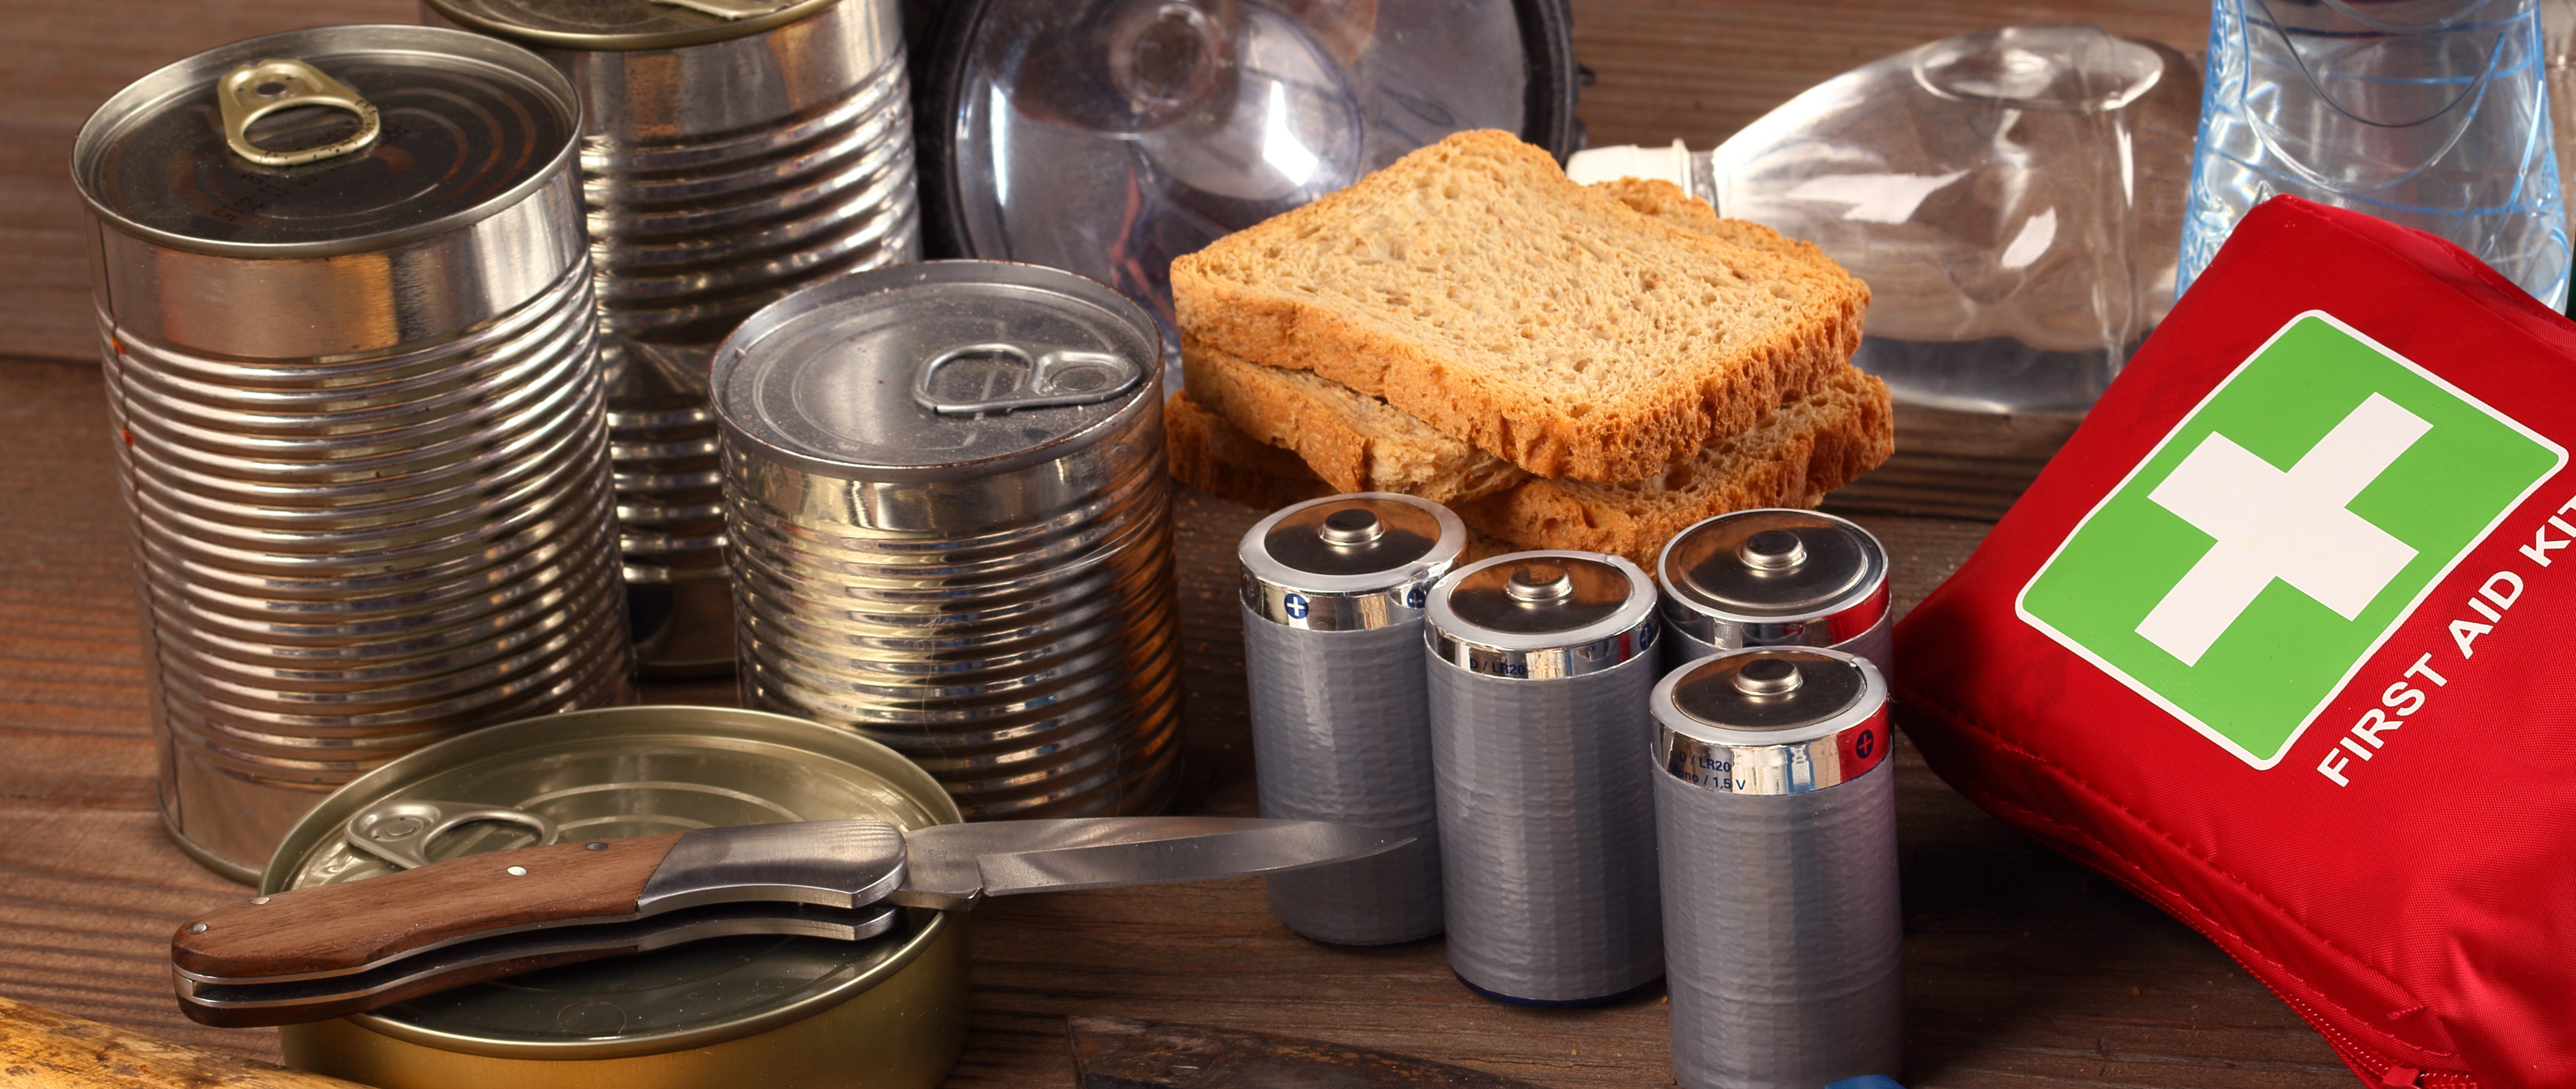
757	1010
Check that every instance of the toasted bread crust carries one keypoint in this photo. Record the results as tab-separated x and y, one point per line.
1666	201
1806	449
1792	459
1671	406
1211	455
1355	442
1205	449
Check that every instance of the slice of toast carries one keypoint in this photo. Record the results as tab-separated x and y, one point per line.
1791	459
1471	285
1211	454
1666	201
1355	442
1806	448
1205	452
1358	443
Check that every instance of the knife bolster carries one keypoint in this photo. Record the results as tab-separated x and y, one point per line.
839	864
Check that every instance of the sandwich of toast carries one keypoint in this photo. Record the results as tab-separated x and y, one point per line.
1552	325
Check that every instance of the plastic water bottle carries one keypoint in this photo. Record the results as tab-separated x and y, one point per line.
2431	114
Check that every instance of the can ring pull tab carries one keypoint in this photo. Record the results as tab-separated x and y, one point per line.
255	90
1059	376
399	832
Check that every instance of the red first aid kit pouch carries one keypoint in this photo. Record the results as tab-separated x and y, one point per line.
2281	640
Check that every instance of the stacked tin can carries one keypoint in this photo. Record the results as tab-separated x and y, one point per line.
345	306
1767	578
1333	591
950	529
1541	665
733	151
1776	809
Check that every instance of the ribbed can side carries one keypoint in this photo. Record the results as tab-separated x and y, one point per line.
1547	831
1341	732
1030	663
343	559
1782	934
695	223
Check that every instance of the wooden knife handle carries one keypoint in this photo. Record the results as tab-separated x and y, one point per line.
347	926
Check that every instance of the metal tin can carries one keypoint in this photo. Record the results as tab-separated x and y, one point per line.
732	152
951	529
1769	578
346	320
1777	811
1333	591
1540	667
778	1012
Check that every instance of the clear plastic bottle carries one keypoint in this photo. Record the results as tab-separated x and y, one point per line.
2013	197
2432	114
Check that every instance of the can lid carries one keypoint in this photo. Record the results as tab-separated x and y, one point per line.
1772	720
1539	615
938	370
325	141
623	24
1773	565
1363	560
632	771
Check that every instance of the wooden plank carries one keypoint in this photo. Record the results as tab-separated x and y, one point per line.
69	57
2024	969
1959	465
1697	71
71	671
1666	69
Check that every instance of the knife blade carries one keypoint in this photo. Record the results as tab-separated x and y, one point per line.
331	950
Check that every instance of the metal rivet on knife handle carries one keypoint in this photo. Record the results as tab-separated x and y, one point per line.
347	927
256	90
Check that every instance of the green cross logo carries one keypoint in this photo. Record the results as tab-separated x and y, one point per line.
2245	570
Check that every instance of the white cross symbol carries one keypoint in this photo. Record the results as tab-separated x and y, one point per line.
2286	525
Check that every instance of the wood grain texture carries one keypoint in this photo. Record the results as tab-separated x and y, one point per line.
41	1049
348	926
1697	71
66	57
1115	1053
1689	69
2024	969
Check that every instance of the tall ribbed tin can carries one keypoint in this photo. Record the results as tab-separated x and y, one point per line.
950	529
1333	591
733	151
346	315
1768	578
1540	667
1776	807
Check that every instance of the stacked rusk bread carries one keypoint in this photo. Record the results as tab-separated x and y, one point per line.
1567	366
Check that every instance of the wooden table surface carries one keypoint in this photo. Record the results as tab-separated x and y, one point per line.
2022	969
